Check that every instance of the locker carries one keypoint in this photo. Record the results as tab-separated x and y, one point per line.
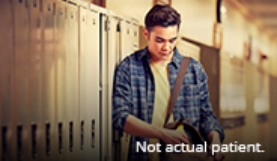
46	128
112	62
59	50
104	135
72	61
60	62
48	61
128	44
93	121
126	36
59	70
6	59
72	58
35	58
21	60
135	35
6	81
89	68
21	96
84	83
129	37
35	28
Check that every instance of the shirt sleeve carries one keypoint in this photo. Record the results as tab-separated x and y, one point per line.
121	98
208	120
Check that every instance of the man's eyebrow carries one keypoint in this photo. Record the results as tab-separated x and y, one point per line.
174	38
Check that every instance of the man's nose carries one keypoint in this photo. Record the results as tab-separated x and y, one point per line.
166	46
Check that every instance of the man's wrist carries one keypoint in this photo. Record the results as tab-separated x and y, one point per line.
214	137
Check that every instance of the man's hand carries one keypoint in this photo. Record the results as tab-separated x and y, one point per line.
213	136
219	156
174	137
135	126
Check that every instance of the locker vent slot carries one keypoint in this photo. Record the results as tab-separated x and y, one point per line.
4	142
60	126
49	7
71	136
35	3
47	128
19	142
93	133
34	141
82	134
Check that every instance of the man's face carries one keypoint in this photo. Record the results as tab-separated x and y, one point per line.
161	42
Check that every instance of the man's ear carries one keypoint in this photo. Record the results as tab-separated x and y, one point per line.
146	33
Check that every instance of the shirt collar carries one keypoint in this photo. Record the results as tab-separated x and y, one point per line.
176	60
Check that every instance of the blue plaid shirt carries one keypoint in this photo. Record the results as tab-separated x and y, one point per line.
134	90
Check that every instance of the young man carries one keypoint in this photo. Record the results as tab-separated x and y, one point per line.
142	85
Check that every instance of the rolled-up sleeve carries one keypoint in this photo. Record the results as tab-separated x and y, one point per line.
208	120
121	97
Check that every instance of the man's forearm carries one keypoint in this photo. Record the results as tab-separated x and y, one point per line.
137	127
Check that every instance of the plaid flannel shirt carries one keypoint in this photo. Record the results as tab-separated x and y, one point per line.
134	90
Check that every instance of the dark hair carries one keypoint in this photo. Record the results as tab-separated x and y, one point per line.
162	15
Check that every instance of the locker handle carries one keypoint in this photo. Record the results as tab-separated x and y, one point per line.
93	133
35	3
71	136
19	142
34	141
4	142
60	126
49	7
82	134
47	137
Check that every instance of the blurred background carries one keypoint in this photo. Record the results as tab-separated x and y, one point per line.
57	59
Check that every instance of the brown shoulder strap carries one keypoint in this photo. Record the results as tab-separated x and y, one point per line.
177	87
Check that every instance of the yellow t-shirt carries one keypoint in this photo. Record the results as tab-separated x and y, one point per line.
161	100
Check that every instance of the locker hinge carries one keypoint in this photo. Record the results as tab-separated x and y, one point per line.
107	26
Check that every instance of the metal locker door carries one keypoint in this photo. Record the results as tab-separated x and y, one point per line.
8	135
46	128
109	64
84	83
126	43
35	17
135	35
6	57
48	61
60	59
92	115
104	87
93	109
83	30
72	59
21	96
130	37
122	26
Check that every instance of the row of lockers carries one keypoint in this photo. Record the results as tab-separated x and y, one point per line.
56	63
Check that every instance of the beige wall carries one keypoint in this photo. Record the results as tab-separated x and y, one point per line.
132	8
198	18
